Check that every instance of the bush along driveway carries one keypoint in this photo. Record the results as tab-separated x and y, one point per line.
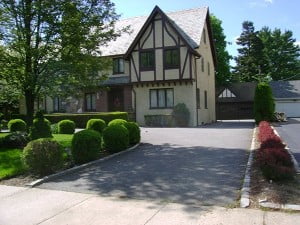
203	166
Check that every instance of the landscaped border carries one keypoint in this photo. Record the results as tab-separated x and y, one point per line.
245	192
73	169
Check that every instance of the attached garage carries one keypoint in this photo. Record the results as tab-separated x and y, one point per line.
287	97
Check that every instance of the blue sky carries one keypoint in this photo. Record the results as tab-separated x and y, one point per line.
283	14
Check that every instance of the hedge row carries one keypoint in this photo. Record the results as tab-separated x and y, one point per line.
274	160
80	119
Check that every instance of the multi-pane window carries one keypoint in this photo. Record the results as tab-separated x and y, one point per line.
198	98
147	60
202	64
161	98
118	65
171	58
208	68
56	104
90	102
205	99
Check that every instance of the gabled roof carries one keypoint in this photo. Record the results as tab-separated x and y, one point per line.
286	89
244	92
188	24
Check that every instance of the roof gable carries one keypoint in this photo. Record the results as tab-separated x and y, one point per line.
186	39
188	23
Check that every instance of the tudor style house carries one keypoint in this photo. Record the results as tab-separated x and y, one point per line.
165	59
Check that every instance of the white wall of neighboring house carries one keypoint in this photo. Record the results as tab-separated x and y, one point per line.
291	107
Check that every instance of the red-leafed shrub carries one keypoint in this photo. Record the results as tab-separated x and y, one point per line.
273	158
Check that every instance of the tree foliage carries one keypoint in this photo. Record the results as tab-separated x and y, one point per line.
223	74
52	45
266	55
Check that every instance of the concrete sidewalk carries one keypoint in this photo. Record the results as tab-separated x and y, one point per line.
39	206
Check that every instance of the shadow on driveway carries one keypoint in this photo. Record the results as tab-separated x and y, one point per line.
189	175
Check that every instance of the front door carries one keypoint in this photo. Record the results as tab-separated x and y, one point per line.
115	99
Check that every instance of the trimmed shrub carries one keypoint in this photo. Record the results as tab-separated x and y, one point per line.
116	138
43	156
15	140
274	160
96	124
181	115
66	127
275	163
86	146
81	119
17	125
264	106
117	122
40	129
134	132
54	128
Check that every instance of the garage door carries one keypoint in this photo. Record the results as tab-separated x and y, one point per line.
291	108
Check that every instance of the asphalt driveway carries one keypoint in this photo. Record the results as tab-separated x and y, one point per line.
289	132
203	166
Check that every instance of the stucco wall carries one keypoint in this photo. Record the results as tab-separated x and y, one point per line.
184	93
206	82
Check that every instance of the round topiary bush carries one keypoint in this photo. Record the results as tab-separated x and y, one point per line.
96	124
116	138
181	115
117	122
134	132
86	146
41	128
43	156
66	127
16	125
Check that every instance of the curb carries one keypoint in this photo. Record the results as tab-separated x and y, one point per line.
295	163
270	205
245	192
75	168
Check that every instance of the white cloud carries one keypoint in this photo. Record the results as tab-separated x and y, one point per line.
297	43
260	3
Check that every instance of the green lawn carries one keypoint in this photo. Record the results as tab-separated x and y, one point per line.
64	139
3	134
10	162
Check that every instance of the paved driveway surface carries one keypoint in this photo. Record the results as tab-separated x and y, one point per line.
290	133
203	166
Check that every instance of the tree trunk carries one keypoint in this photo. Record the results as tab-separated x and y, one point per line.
29	99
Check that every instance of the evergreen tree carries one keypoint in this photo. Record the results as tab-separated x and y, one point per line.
281	53
250	62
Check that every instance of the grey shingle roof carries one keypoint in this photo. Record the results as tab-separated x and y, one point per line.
286	89
188	22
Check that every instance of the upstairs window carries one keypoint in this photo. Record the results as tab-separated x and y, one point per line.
171	58
204	36
208	68
147	60
118	65
56	104
202	64
90	102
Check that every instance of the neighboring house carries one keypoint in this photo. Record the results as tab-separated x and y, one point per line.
166	59
235	101
287	97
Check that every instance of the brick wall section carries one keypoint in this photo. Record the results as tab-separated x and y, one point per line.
127	98
101	101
